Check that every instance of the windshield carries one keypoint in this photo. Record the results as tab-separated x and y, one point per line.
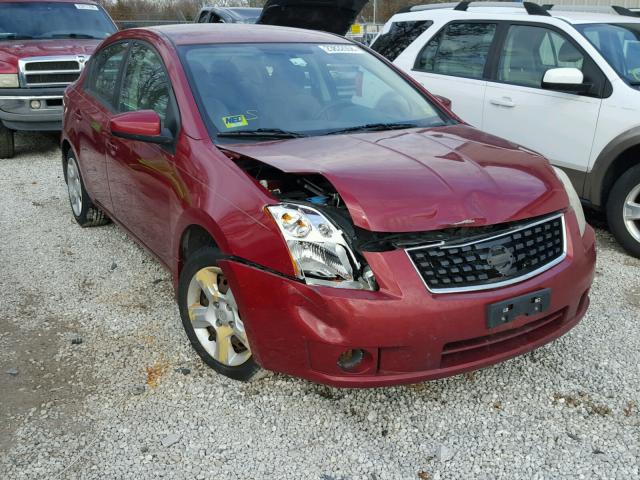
301	89
619	44
48	20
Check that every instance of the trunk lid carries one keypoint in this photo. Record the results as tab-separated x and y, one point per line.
335	16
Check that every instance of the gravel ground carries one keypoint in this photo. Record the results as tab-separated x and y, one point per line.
97	380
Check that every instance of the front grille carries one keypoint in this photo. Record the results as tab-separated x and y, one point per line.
51	78
50	71
515	254
46	66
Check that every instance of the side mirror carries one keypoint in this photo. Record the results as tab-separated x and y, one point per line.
444	101
569	80
143	126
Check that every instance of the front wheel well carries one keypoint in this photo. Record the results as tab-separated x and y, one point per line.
626	160
193	239
66	148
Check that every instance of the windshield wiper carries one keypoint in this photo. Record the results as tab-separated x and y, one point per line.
263	133
75	35
374	127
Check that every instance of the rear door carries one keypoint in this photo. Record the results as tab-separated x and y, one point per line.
453	64
559	125
93	109
335	16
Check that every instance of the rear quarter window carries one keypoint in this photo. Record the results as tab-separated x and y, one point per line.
399	37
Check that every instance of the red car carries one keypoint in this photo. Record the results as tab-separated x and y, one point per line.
322	214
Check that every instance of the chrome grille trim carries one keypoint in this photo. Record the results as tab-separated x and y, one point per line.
29	75
498	284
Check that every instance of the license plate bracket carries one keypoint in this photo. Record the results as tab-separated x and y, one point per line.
508	310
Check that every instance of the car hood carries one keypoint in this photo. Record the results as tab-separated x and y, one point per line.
335	16
13	50
421	180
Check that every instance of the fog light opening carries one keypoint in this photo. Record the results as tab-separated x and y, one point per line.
351	359
35	104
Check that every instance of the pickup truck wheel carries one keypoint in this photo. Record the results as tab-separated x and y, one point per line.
211	318
83	209
7	148
623	210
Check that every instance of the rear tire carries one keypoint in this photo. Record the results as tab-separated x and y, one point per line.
82	207
623	210
7	145
211	319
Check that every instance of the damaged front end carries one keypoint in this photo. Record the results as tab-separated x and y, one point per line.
316	227
327	248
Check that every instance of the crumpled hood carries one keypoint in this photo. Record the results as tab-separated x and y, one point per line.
13	50
421	180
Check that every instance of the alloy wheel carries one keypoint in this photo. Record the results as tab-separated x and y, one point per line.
631	212
215	319
74	186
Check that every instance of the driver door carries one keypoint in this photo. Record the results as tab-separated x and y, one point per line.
142	176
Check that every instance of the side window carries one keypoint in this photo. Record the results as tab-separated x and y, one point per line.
105	71
530	51
145	85
459	50
399	37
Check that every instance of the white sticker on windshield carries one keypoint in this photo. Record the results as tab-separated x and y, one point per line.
341	49
86	6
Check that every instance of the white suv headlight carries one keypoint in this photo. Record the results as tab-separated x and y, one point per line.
9	80
318	248
574	199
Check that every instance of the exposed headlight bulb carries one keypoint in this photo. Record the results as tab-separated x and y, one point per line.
318	249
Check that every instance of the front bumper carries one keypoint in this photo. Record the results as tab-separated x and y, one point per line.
16	112
409	335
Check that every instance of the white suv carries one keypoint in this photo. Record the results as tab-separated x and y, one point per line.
563	83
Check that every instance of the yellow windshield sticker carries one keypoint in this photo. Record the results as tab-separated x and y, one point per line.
235	121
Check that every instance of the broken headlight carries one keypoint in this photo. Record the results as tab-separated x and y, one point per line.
318	248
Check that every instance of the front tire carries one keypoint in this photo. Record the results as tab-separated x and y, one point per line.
623	210
82	207
7	146
211	319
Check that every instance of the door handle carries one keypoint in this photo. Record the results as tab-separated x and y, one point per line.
77	114
503	102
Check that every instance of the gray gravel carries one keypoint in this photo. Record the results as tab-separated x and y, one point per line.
130	400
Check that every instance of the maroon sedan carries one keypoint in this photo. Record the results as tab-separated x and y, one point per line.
322	215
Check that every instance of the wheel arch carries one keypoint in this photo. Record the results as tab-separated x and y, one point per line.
196	230
65	147
621	154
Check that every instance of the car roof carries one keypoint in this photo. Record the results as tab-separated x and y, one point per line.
510	11
191	34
